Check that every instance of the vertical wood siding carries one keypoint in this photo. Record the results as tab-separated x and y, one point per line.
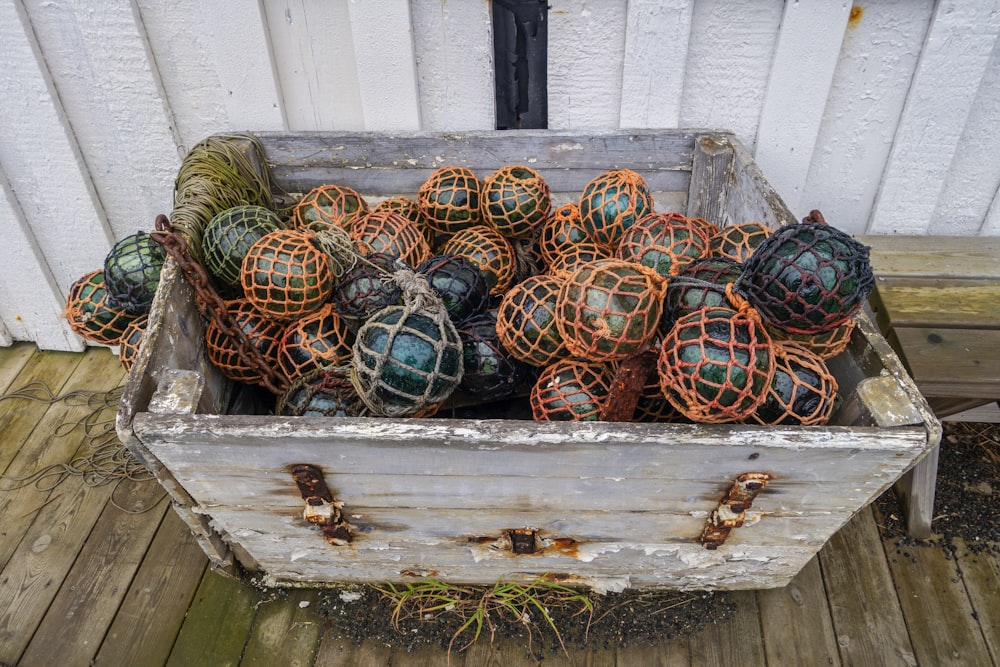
882	114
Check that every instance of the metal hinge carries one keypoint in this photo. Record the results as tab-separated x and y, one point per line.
321	508
731	512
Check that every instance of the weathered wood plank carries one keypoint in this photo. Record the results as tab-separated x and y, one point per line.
286	630
938	303
99	578
953	362
12	360
151	615
870	627
34	573
656	40
956	257
711	172
797	626
938	613
218	623
665	653
981	577
751	198
805	57
399	164
337	652
38	448
735	641
952	62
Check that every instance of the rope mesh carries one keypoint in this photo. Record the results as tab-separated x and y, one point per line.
329	206
526	321
91	314
612	202
515	201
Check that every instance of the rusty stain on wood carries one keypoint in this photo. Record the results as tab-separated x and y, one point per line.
731	512
321	507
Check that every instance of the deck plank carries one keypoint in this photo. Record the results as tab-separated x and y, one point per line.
12	360
936	607
797	626
981	576
18	417
284	632
338	652
218	623
85	606
735	641
146	625
870	628
39	444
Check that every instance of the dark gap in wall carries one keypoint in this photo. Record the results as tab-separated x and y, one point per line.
520	57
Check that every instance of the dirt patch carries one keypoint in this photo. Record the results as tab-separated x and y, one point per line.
617	619
966	497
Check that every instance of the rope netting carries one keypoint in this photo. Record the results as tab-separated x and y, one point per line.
91	313
570	258
132	272
329	206
229	236
612	202
715	364
131	339
102	459
324	392
316	340
664	242
410	210
286	274
407	358
489	250
515	200
562	229
737	242
215	175
391	233
450	199
803	391
223	350
807	277
571	390
459	283
526	321
610	309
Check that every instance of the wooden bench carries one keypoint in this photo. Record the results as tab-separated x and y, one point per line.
937	302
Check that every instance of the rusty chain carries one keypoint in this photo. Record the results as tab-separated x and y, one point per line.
210	303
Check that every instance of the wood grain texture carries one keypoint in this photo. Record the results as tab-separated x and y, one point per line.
153	610
12	360
981	577
711	173
100	576
953	257
952	63
939	303
218	623
953	362
286	630
734	641
939	617
337	652
797	626
870	627
805	56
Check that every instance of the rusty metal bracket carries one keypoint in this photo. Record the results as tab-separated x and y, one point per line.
321	508
731	512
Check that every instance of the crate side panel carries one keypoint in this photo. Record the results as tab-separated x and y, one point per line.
293	553
750	197
381	165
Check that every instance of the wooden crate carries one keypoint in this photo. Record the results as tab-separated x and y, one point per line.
610	505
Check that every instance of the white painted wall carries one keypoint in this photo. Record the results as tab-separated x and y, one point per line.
884	115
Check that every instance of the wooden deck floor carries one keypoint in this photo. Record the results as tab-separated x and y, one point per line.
108	575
